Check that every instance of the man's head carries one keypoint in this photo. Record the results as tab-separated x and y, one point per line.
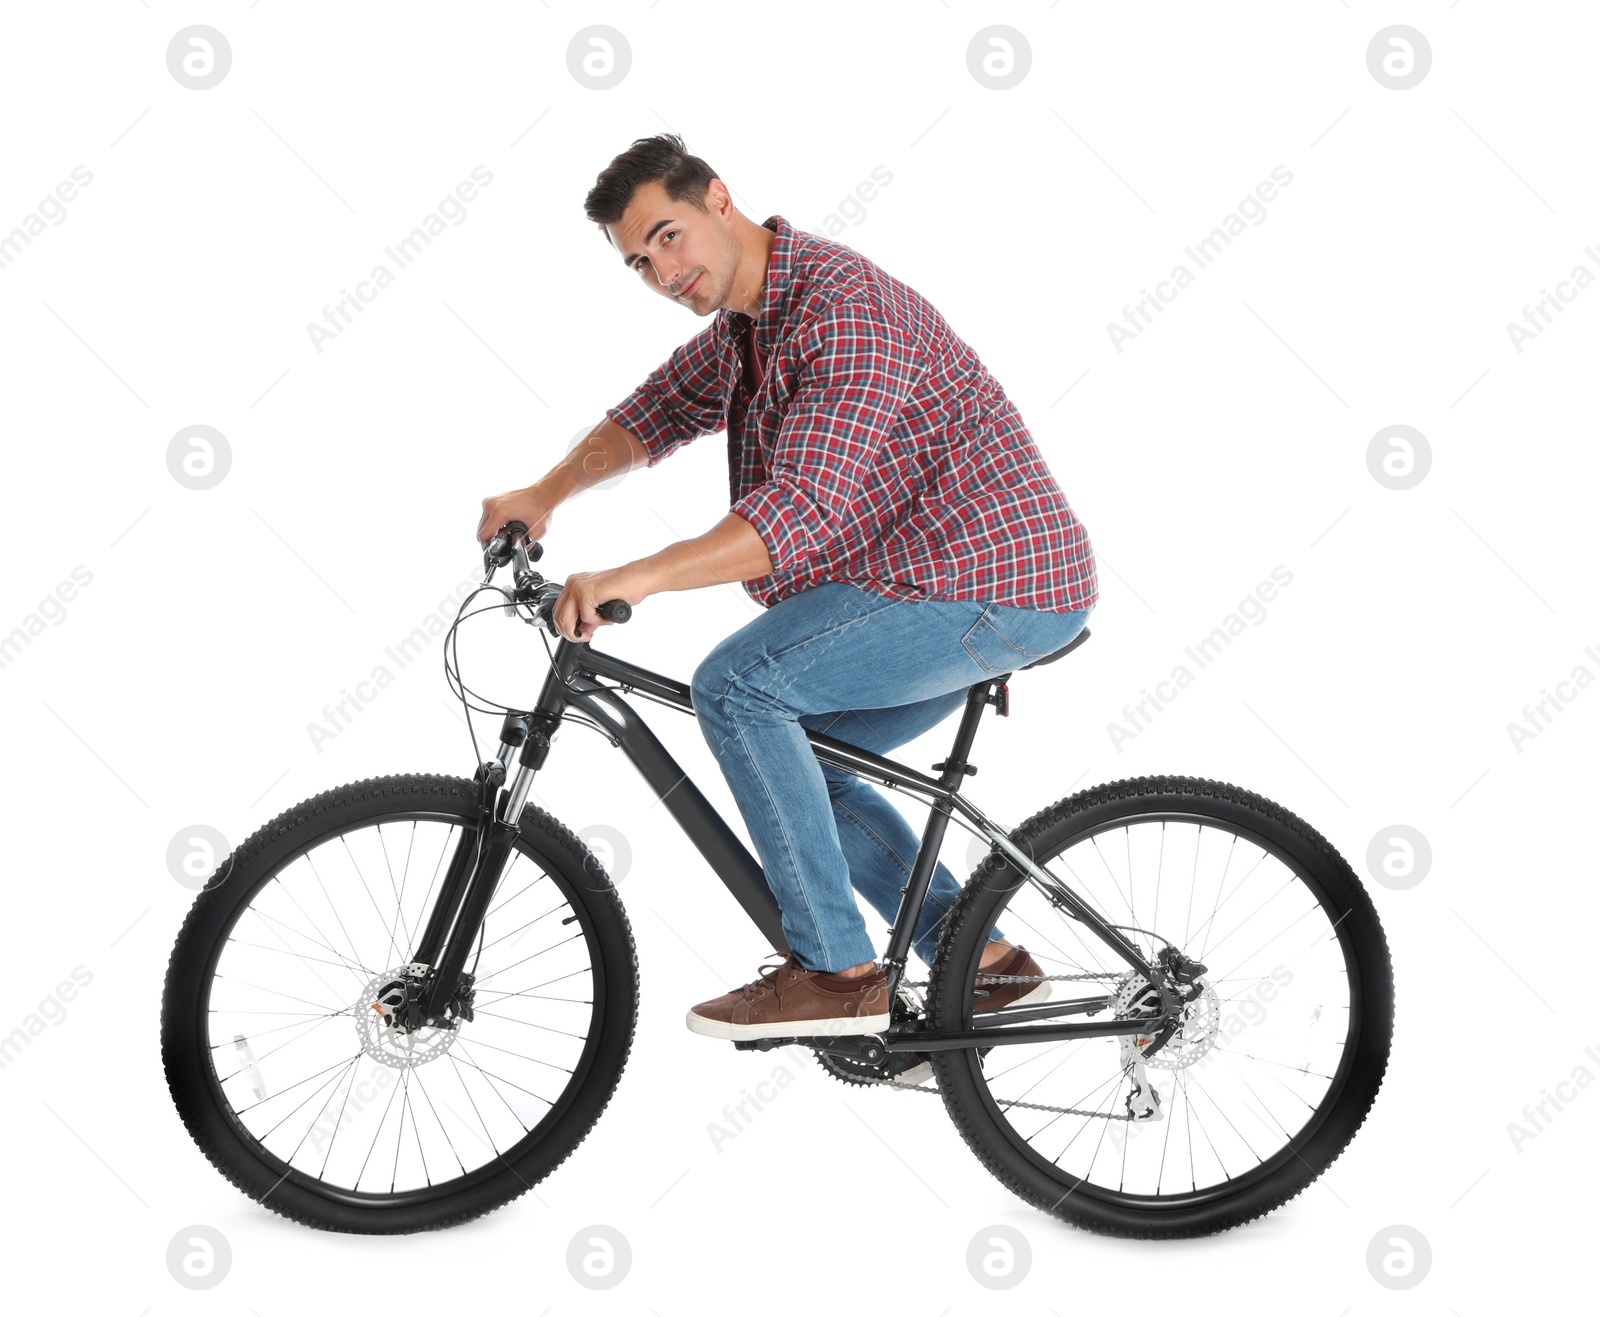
675	224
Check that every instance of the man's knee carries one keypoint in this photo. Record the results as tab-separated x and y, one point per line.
712	677
731	673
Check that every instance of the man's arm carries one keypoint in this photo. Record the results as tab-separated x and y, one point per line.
681	399
859	367
607	450
730	551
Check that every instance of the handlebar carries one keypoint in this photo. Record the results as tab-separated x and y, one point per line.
508	543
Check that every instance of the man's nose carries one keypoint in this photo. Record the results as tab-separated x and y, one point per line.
667	274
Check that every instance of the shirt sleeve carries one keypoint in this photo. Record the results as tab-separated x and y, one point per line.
859	366
681	399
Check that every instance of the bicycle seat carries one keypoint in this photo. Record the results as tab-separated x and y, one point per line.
1060	653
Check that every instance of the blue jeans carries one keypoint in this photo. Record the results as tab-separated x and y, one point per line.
874	672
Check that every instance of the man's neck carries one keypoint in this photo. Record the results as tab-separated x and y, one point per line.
750	279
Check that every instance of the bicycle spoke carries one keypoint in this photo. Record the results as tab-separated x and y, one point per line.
321	939
525	927
1196	889
376	909
314	1092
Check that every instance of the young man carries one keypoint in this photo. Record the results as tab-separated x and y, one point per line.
890	509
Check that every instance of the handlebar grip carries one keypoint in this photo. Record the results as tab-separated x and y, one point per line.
514	531
613	610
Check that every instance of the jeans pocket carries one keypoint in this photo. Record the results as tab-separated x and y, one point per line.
1005	637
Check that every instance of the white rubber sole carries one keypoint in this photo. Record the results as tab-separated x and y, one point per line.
921	1073
838	1027
1037	994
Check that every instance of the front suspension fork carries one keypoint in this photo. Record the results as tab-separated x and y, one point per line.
480	858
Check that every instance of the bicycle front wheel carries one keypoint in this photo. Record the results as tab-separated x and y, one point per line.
274	1036
1281	1048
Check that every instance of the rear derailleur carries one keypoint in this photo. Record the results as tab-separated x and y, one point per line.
1176	988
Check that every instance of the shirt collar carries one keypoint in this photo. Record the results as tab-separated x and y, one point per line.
775	296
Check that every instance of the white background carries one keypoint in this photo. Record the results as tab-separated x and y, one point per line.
1230	437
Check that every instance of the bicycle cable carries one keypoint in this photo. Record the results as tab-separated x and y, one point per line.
453	679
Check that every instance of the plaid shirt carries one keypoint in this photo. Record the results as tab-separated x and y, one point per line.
877	449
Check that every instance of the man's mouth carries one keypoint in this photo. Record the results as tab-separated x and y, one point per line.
684	291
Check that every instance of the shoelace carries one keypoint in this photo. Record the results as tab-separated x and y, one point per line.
769	977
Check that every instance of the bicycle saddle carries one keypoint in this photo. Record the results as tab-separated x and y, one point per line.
1060	653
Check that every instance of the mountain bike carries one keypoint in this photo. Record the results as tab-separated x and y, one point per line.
405	1001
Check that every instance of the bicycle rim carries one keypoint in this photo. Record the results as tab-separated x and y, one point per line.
313	1080
1267	1049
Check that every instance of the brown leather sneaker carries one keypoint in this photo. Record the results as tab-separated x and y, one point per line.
987	997
788	1000
992	996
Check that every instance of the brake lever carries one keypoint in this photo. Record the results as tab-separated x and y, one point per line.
523	575
507	544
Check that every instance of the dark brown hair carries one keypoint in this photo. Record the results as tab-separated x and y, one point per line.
663	159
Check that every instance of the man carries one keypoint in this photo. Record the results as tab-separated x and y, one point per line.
889	508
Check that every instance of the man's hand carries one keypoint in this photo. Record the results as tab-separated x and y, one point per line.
531	505
574	612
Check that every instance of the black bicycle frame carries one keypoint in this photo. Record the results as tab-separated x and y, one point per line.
576	681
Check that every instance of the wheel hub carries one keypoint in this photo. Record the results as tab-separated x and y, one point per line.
1196	1033
390	1022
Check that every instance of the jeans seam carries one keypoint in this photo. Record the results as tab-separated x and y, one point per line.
811	913
1020	651
861	823
806	640
928	900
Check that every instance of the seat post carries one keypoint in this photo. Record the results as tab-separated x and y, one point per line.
955	768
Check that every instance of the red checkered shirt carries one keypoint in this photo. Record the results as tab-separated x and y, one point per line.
877	449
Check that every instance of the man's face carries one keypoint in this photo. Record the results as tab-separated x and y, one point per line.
684	254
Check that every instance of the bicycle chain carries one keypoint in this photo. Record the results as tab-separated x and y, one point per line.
1020	978
1014	978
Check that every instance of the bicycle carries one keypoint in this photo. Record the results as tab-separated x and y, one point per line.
1200	1099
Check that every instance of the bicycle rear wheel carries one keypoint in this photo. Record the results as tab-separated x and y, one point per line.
1280	1053
275	1033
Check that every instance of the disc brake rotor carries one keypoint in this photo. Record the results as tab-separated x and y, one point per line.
1195	1035
380	1016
